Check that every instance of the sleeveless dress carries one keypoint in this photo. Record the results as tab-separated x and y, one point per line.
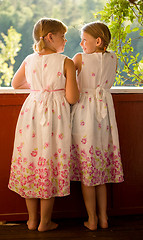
95	153
41	155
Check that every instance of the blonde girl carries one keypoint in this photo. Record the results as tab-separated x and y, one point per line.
40	161
95	154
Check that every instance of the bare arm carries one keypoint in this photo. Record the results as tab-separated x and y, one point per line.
72	92
19	79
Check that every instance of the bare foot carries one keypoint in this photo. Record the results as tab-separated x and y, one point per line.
103	223
47	226
32	225
90	226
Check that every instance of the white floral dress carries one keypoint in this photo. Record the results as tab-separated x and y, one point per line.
41	155
95	153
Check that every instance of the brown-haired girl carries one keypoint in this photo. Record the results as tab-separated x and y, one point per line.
95	154
41	155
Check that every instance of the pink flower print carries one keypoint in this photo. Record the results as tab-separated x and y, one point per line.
91	150
54	190
59	150
59	74
112	56
45	65
61	136
82	123
41	161
46	109
65	166
52	134
63	104
20	147
33	134
22	113
106	81
84	140
99	125
82	106
34	71
20	131
106	155
106	179
90	99
76	171
55	172
56	155
83	153
48	123
64	174
107	128
31	166
59	117
26	110
33	118
19	160
28	126
114	147
61	182
111	156
64	156
82	63
98	153
93	74
46	145
34	153
24	160
53	111
72	147
23	180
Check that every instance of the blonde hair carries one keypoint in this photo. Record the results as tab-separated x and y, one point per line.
98	29
42	28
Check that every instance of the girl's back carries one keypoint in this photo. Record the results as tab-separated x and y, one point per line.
95	143
42	142
97	70
45	71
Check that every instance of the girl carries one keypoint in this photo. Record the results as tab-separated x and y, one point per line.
40	162
95	154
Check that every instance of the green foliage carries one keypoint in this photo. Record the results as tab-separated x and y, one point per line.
125	21
9	48
123	18
22	15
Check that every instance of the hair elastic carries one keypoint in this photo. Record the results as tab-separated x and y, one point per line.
41	38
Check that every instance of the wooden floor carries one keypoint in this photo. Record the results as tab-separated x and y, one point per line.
121	228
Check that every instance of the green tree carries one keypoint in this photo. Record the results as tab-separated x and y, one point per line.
125	20
9	49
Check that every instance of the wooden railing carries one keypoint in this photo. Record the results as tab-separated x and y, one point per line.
124	198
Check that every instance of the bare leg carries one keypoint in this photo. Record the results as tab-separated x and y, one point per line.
89	196
32	207
101	196
46	214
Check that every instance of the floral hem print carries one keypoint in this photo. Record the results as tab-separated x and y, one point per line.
94	167
44	181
